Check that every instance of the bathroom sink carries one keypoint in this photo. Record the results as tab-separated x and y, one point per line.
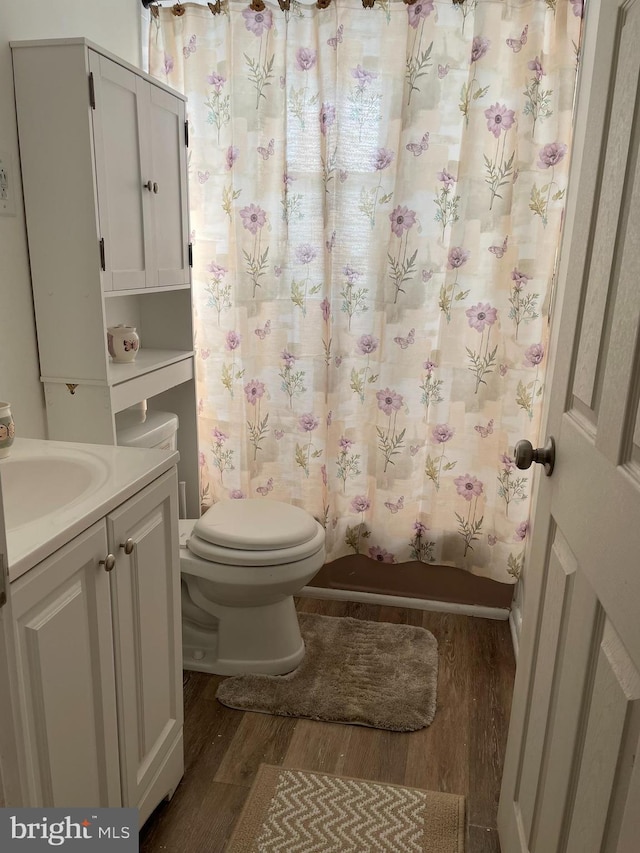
38	486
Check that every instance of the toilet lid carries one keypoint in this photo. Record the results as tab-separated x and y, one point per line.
254	558
255	524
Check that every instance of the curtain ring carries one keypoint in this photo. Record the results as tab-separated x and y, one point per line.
216	7
257	5
411	2
323	4
285	5
178	10
368	4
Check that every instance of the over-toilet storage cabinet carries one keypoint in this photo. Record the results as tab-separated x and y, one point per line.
103	153
99	660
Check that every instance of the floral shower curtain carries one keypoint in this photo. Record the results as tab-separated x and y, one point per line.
376	197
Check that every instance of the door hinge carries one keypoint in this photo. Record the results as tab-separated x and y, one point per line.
186	134
92	91
3	582
103	264
190	254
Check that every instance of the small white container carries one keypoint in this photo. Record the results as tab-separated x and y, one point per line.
7	429
123	343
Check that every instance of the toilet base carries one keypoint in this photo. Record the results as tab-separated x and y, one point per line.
264	639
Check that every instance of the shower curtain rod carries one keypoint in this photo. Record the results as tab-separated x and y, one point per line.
215	7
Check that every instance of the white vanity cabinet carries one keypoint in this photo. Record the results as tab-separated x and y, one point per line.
97	643
103	153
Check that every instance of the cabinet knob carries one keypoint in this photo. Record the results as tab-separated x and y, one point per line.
109	563
155	187
148	186
128	546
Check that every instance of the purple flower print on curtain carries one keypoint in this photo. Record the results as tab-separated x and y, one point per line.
435	465
260	68
548	158
480	317
222	456
457	258
500	120
469	488
419	60
366	345
528	392
390	441
369	199
299	99
357	532
257	428
511	485
422	548
347	462
307	423
218	103
471	91
401	267
363	103
538	99
301	289
253	219
523	305
231	374
446	201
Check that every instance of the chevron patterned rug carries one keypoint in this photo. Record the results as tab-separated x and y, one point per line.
363	673
296	811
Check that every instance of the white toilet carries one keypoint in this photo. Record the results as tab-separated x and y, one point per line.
241	564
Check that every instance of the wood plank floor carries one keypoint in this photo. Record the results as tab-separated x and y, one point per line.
460	752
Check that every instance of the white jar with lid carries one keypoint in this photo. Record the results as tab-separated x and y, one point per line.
123	343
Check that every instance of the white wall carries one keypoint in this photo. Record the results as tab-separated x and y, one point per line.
114	25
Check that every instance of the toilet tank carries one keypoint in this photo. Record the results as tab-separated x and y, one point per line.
136	428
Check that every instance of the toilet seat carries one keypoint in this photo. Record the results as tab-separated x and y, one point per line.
255	532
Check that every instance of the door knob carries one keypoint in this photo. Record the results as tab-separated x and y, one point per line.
148	186
128	546
155	187
525	455
109	563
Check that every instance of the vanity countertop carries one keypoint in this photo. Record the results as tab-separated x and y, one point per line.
53	490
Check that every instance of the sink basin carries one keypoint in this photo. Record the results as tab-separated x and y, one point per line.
37	486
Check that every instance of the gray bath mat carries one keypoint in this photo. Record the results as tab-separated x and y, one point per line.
361	673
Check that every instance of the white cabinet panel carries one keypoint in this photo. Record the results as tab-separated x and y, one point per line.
66	676
122	165
146	612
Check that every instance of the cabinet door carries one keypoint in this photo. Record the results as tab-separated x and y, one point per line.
147	634
123	167
169	207
66	684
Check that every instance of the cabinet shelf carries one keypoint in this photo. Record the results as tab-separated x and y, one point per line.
138	291
146	361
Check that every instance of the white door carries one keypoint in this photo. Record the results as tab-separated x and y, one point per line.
124	181
169	210
147	638
570	782
65	677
